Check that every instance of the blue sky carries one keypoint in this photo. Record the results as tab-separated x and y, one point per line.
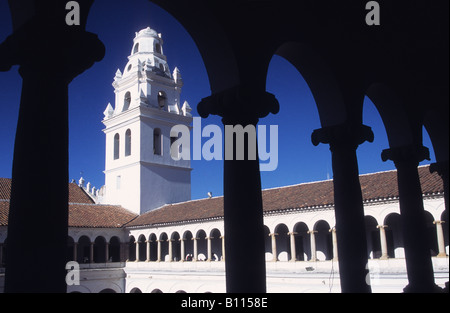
115	22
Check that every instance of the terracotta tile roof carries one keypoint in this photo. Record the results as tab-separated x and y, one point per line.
5	188
4	210
76	194
97	215
86	215
382	185
83	212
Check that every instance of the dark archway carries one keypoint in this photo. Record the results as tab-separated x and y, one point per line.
188	246
132	249
84	250
100	250
373	237
176	246
302	242
114	249
164	244
142	244
153	247
282	241
394	236
216	245
202	248
324	242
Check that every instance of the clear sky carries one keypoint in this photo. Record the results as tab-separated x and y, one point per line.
115	22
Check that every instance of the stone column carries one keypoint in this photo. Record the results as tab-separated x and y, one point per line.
417	254
170	250
383	242
348	204
75	251
208	243
334	240
223	247
242	106
107	252
274	247
440	238
91	253
137	251
195	256
182	250
312	238
148	242
50	54
159	250
293	250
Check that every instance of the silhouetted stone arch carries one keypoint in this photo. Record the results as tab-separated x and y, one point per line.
318	76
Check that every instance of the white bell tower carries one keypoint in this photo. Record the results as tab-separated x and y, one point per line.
140	173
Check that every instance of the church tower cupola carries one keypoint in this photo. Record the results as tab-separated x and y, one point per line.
140	173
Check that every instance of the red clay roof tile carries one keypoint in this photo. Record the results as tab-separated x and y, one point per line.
374	186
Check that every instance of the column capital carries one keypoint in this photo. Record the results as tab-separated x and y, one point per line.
342	135
311	231
382	226
241	104
439	167
33	44
79	51
438	222
406	154
273	234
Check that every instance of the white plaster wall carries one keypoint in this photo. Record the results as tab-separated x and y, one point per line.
163	185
